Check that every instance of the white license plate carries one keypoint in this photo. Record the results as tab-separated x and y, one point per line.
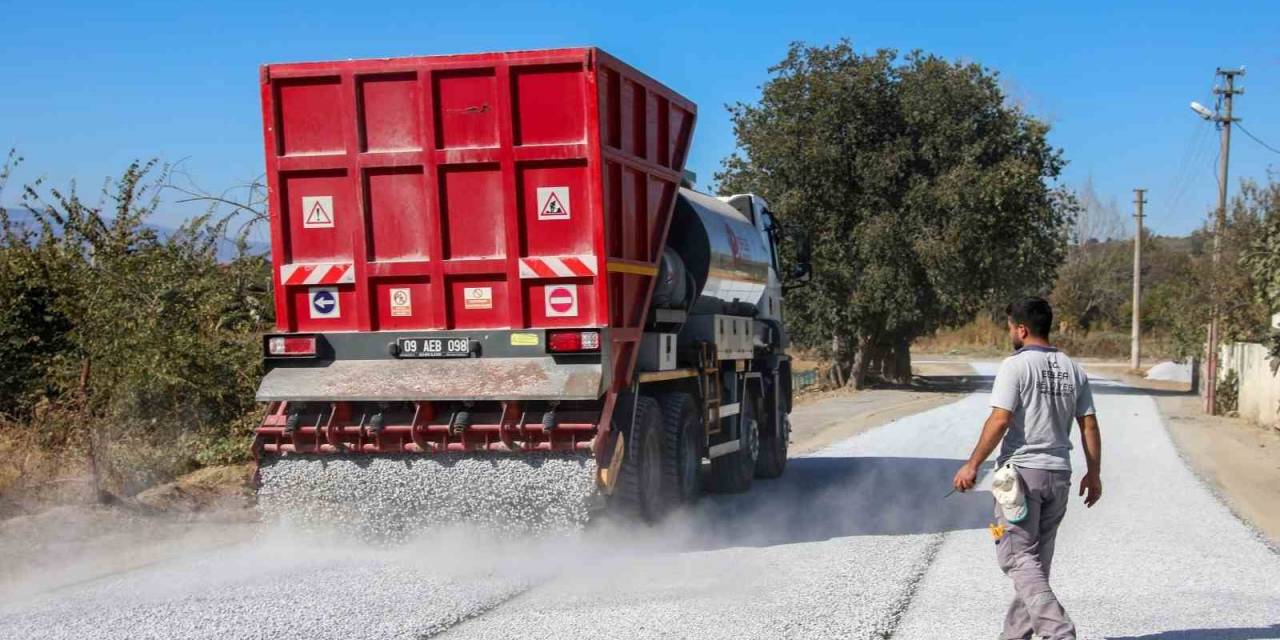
433	347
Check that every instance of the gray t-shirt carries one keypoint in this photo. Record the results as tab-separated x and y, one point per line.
1045	391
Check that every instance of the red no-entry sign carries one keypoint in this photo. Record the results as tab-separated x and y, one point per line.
562	300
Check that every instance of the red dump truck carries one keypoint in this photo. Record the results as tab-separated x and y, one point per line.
495	254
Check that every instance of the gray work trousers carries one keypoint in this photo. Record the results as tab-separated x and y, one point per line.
1025	553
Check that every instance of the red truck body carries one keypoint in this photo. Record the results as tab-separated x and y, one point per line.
499	191
425	173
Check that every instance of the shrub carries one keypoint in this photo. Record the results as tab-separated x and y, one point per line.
145	343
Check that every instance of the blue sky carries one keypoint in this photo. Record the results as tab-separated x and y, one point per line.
92	85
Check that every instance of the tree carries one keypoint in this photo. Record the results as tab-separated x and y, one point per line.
924	192
1179	304
1262	258
1094	284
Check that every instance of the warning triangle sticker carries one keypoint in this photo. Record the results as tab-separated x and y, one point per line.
553	206
317	212
318	216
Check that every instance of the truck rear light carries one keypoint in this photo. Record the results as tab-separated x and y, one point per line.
573	341
291	346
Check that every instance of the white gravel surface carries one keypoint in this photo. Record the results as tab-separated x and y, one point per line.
1159	558
833	549
856	541
391	497
282	587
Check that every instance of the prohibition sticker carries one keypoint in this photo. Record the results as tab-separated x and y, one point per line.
401	303
323	302
562	300
553	203
317	212
477	297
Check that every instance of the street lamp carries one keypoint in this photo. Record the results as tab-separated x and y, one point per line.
1202	110
1228	92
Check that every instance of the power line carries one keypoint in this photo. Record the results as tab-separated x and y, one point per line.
1195	150
1256	139
1189	168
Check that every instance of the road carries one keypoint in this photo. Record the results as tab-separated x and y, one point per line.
855	541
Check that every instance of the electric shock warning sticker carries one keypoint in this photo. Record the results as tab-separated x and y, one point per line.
553	203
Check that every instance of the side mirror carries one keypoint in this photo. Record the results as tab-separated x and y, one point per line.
802	271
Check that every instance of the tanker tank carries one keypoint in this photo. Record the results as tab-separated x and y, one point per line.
715	251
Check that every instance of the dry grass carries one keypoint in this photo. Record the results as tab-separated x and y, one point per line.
33	476
985	337
980	337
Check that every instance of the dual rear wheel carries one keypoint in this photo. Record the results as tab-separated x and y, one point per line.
662	467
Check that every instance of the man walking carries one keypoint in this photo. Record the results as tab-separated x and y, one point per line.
1036	394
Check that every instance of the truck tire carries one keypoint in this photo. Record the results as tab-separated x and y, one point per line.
732	472
639	492
773	450
682	435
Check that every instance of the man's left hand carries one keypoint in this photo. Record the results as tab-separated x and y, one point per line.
965	478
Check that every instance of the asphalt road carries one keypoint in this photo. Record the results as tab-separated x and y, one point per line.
855	541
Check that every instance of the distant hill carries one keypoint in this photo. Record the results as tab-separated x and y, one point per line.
226	251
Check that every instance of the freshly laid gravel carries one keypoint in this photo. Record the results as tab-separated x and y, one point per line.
856	541
284	587
1159	557
391	497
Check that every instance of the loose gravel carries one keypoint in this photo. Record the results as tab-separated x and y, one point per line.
282	588
392	497
1170	371
1158	557
855	541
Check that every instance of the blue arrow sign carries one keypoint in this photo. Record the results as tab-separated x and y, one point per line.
324	303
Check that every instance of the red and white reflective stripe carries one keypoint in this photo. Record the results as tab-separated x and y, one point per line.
322	273
558	267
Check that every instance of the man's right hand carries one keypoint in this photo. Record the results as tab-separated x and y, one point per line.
965	478
1091	488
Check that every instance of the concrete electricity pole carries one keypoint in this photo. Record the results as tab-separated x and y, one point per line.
1135	351
1228	91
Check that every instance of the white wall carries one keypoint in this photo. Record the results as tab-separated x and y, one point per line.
1259	389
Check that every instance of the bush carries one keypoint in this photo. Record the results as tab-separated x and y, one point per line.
142	348
1227	396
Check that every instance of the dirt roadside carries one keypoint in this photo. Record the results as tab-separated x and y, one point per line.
821	419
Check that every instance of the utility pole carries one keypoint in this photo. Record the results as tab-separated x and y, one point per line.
1228	91
1135	350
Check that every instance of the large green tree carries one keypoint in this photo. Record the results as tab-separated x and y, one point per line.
925	191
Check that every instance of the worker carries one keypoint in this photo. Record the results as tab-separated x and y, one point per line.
1036	394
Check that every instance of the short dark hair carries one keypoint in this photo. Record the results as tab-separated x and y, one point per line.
1034	313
